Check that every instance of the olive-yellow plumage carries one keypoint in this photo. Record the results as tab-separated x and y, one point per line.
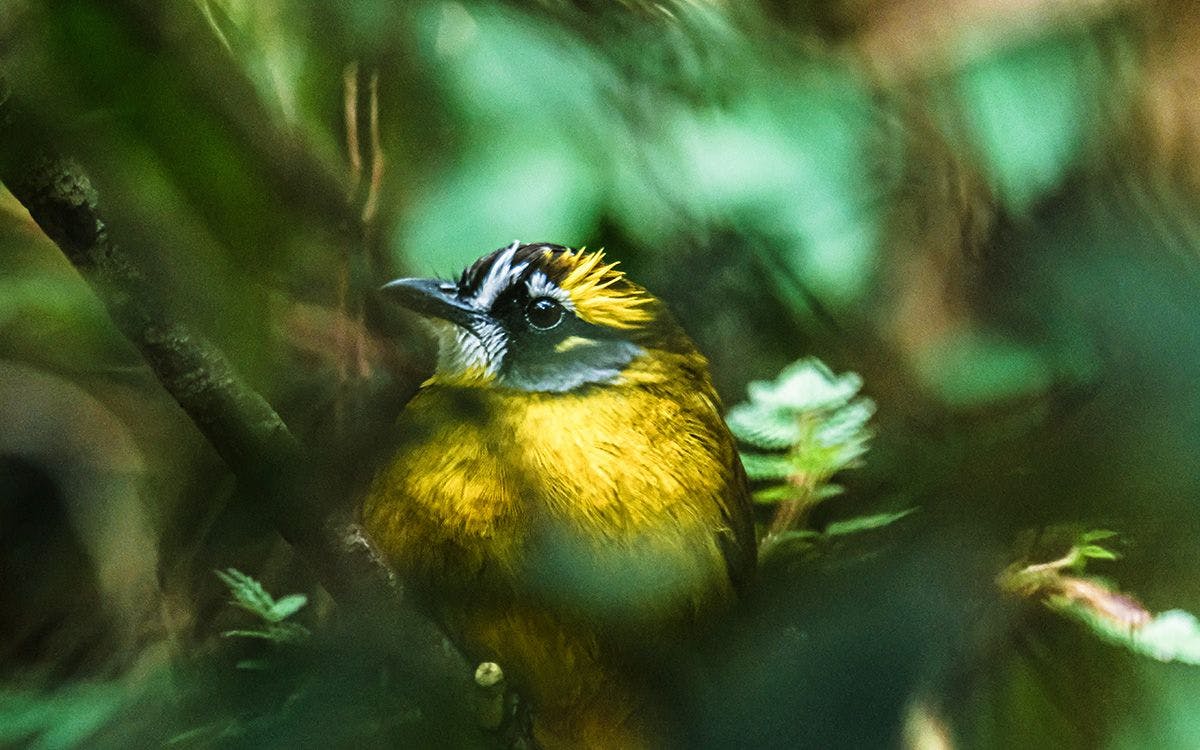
563	484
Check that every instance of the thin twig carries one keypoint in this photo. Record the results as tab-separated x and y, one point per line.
370	211
791	513
371	206
344	317
350	117
352	364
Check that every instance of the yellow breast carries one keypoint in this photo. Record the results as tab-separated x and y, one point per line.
539	524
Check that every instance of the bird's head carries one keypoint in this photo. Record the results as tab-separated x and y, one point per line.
541	317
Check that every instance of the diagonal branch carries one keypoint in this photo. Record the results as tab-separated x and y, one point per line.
247	433
239	423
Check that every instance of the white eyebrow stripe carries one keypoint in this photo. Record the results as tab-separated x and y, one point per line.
499	276
540	285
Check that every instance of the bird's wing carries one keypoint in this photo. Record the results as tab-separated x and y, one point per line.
737	540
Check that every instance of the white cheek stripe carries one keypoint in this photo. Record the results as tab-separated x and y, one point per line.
461	351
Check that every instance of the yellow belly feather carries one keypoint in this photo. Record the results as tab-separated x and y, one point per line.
540	523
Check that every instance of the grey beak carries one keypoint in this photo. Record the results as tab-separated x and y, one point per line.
431	297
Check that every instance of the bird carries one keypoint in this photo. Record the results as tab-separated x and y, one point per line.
563	488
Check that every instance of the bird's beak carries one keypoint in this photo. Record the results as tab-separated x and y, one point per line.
437	299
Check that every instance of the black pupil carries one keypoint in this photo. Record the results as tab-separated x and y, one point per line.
543	313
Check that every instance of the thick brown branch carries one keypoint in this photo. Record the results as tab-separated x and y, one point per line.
239	423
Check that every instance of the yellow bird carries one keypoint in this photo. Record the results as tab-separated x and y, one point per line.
563	487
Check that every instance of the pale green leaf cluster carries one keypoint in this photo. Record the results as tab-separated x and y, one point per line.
808	423
250	595
1173	635
1170	636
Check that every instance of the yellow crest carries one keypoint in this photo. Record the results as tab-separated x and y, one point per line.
600	293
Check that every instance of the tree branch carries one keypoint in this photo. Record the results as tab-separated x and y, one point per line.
239	423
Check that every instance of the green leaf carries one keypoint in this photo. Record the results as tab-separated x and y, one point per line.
974	369
243	633
776	494
760	467
847	425
763	427
1096	535
1096	552
827	490
286	632
250	595
287	606
809	411
805	385
289	632
790	542
1173	635
1029	109
860	524
252	665
247	592
817	422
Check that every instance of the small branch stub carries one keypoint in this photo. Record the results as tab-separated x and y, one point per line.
489	695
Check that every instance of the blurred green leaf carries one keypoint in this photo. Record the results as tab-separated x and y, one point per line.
1096	552
760	467
806	401
972	370
816	416
860	524
1030	109
47	298
287	632
287	606
1170	636
770	429
520	189
531	171
247	592
64	719
36	310
260	35
787	160
1173	635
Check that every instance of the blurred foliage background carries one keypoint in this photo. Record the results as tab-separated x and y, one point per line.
986	209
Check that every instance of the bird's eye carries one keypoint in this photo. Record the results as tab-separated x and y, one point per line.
544	313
